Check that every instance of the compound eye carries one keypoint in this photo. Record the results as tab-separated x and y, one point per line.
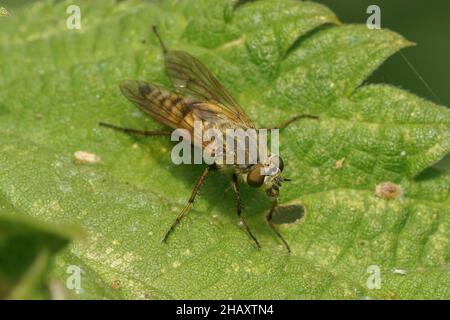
255	178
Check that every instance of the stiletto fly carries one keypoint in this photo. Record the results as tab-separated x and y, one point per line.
199	96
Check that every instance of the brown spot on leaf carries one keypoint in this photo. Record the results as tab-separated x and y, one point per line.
115	284
339	164
388	190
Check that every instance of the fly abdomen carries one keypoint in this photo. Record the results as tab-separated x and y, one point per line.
166	107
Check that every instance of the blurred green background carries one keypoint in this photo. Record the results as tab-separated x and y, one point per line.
426	23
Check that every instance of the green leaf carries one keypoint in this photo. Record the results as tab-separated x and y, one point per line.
26	250
278	58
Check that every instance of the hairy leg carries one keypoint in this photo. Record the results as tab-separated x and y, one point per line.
272	226
135	131
235	185
186	209
284	124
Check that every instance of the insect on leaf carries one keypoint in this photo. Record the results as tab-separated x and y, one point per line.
57	86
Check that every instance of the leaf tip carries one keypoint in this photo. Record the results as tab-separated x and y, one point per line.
407	43
336	21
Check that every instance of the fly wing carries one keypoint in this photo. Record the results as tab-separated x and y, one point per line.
166	107
177	111
193	78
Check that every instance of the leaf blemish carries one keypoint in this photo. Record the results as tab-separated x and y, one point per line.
83	157
340	163
401	272
388	190
115	284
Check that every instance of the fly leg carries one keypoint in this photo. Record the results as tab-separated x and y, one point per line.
284	124
161	43
135	131
272	226
186	209
235	185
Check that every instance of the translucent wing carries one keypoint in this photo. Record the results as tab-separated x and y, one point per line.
175	110
192	78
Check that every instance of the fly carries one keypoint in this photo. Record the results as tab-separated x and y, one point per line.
199	96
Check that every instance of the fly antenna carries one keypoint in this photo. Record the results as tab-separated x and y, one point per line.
155	31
